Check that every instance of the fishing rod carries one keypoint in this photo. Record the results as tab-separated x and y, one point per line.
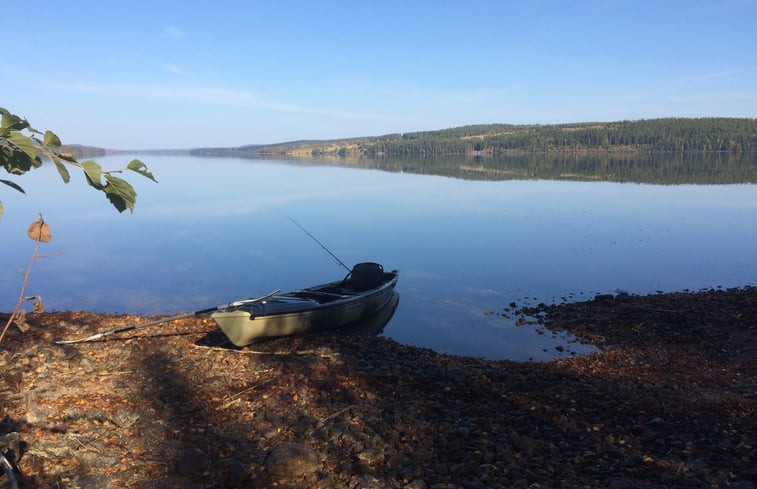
230	305
321	244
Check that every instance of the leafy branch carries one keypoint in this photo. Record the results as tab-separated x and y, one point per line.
22	148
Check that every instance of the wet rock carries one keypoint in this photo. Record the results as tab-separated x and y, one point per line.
292	461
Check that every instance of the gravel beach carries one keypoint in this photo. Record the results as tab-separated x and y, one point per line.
668	401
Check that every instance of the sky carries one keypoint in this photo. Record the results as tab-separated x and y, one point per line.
184	74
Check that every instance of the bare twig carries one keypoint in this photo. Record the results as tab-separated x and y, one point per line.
23	290
86	446
324	420
235	397
25	281
8	471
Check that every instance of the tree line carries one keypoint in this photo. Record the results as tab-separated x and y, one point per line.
653	135
714	134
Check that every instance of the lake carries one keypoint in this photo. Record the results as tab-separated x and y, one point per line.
216	230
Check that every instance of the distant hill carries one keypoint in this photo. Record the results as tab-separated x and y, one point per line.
80	151
649	135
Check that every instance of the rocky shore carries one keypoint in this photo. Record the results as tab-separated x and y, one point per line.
669	401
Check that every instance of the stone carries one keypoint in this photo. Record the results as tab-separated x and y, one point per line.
621	483
371	457
743	484
234	473
192	462
416	484
51	449
36	414
125	418
10	445
292	461
80	481
94	459
525	444
14	380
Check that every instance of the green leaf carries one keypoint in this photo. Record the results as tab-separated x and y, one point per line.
62	170
13	185
1	209
15	161
120	193
11	122
141	168
93	172
25	144
52	140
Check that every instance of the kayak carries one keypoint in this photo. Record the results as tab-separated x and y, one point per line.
366	290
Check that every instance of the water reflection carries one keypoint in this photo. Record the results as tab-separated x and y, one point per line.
653	168
213	231
374	324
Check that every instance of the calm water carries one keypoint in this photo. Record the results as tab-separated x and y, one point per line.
214	230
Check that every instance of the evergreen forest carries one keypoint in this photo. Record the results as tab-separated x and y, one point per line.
732	135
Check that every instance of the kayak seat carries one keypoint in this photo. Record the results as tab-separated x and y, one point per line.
364	276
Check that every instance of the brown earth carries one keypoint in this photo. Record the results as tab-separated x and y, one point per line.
669	401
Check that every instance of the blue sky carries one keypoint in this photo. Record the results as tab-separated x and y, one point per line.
178	74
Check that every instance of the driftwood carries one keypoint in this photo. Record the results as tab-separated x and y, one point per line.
322	352
209	310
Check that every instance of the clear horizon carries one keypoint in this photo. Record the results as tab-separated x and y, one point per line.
184	75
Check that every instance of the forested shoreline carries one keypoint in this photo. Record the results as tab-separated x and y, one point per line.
732	135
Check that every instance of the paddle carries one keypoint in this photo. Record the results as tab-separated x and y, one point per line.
230	305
